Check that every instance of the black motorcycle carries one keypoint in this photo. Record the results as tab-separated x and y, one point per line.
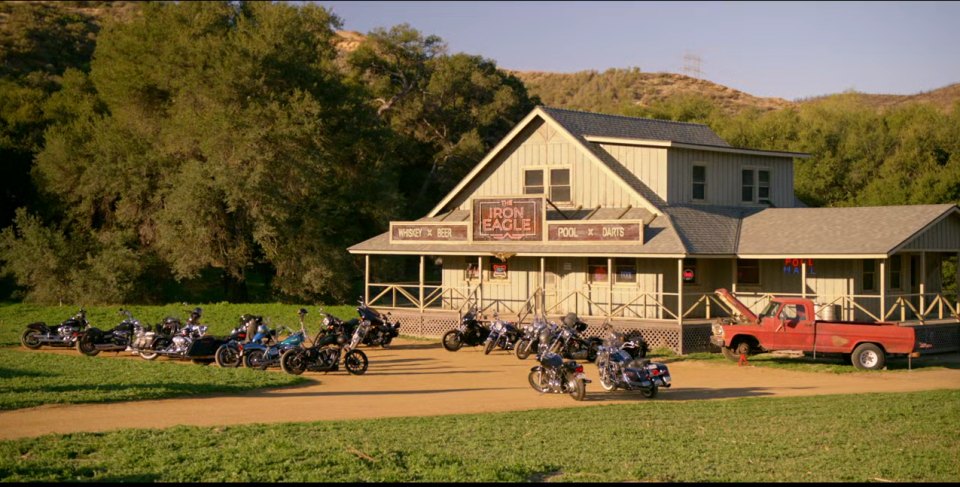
335	338
619	367
571	343
381	331
556	376
529	341
65	334
471	332
503	334
95	340
229	353
172	339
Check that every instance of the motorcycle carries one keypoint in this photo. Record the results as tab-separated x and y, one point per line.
529	341
65	334
264	351
471	332
229	353
571	343
503	334
556	376
95	340
619	368
381	331
335	338
171	338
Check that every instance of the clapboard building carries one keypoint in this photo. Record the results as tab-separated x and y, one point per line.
638	221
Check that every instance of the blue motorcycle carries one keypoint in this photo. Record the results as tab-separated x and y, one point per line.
264	350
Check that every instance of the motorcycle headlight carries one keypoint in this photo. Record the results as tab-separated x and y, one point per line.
326	322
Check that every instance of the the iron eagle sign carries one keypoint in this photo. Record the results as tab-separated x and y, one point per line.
506	219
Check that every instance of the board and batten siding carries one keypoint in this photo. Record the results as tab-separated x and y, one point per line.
542	146
723	177
942	236
649	164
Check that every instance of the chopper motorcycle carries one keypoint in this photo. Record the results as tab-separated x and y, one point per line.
471	332
65	334
94	340
503	334
380	331
335	339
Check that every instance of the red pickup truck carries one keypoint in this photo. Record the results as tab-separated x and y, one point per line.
790	324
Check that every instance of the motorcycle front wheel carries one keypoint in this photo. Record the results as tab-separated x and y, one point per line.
489	347
579	390
227	357
522	349
148	355
292	362
452	341
85	346
253	359
538	380
355	361
606	382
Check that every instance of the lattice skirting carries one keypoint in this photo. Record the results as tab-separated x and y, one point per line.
696	337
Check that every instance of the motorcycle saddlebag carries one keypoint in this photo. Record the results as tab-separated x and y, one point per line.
205	346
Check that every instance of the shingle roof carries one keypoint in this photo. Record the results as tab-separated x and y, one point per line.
823	231
709	229
602	125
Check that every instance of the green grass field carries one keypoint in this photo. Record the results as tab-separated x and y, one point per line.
29	378
909	437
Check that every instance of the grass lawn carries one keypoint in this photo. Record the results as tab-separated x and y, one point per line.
909	437
29	378
827	364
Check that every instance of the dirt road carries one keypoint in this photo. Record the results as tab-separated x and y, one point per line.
415	378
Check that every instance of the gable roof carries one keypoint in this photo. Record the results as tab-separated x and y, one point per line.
584	124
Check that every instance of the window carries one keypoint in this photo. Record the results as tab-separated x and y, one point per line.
755	186
557	181
533	182
746	186
896	263
597	269
748	271
869	275
699	182
689	271
763	186
498	270
626	270
789	312
560	185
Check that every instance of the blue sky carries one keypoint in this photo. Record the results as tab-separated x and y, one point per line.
783	49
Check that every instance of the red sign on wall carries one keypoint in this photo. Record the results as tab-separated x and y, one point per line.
428	232
519	219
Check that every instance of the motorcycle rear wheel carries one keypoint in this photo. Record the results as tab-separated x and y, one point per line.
650	392
579	390
452	341
29	339
538	381
355	361
85	346
292	362
149	355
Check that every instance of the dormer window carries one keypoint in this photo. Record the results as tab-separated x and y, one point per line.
556	181
699	183
755	186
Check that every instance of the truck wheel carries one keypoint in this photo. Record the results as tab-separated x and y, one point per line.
730	354
868	356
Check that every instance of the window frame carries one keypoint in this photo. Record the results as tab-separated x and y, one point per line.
694	182
898	271
759	273
755	185
624	262
872	273
590	266
542	184
691	262
550	186
546	176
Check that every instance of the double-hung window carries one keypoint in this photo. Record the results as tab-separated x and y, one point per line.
555	183
755	186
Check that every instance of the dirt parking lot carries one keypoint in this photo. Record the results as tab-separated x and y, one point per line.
418	378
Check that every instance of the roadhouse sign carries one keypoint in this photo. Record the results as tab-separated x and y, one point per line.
420	232
519	219
595	231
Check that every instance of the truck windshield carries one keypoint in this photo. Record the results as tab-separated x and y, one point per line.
770	310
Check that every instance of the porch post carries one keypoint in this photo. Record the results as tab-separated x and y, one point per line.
609	287
883	289
480	283
733	276
543	285
680	305
923	285
366	278
803	278
421	283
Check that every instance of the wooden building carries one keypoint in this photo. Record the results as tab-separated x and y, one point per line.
638	221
